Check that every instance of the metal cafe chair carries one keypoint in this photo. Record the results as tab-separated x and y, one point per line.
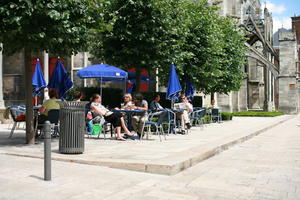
17	116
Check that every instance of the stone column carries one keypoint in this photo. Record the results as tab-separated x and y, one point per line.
225	102
46	73
243	96
287	90
235	101
253	82
85	60
1	78
266	89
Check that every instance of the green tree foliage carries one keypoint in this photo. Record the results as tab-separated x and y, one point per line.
205	46
154	33
131	37
233	58
61	27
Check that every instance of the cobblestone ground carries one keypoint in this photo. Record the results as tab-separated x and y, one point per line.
267	167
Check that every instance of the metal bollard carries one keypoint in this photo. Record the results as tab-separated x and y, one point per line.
47	151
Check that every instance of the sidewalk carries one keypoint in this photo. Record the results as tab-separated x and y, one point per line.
169	157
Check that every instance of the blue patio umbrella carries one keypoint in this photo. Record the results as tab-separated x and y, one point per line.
103	73
38	80
174	89
60	80
189	91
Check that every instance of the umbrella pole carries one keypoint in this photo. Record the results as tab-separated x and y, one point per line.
101	86
125	85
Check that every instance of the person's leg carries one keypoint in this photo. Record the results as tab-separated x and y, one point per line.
118	132
115	119
182	121
126	131
134	123
141	124
186	119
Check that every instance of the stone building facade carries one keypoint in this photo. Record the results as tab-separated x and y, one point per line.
259	88
289	50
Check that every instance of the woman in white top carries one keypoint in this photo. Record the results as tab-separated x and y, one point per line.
116	118
127	102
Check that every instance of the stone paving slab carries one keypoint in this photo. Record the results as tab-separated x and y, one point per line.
169	157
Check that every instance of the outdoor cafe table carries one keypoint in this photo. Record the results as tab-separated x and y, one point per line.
129	114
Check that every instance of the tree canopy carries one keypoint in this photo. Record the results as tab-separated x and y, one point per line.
206	47
152	34
60	27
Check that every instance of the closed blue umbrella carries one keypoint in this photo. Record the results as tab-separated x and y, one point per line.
174	88
38	80
189	91
60	80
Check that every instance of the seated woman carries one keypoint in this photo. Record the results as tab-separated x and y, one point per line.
116	118
49	104
184	116
127	102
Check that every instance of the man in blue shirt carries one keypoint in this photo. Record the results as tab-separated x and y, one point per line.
158	110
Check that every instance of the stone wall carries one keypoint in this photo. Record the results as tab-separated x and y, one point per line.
288	85
13	79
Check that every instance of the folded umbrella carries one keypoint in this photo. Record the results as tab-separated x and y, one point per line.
189	91
60	80
174	88
38	80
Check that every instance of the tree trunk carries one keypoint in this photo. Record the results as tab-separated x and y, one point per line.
30	135
212	98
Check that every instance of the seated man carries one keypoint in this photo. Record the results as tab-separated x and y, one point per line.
184	116
139	119
158	110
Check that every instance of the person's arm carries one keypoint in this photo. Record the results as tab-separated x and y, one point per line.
98	110
42	109
153	106
190	107
143	108
125	107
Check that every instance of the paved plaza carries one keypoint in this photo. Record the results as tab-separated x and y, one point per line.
264	167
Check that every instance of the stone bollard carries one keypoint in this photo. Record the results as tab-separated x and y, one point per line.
47	151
